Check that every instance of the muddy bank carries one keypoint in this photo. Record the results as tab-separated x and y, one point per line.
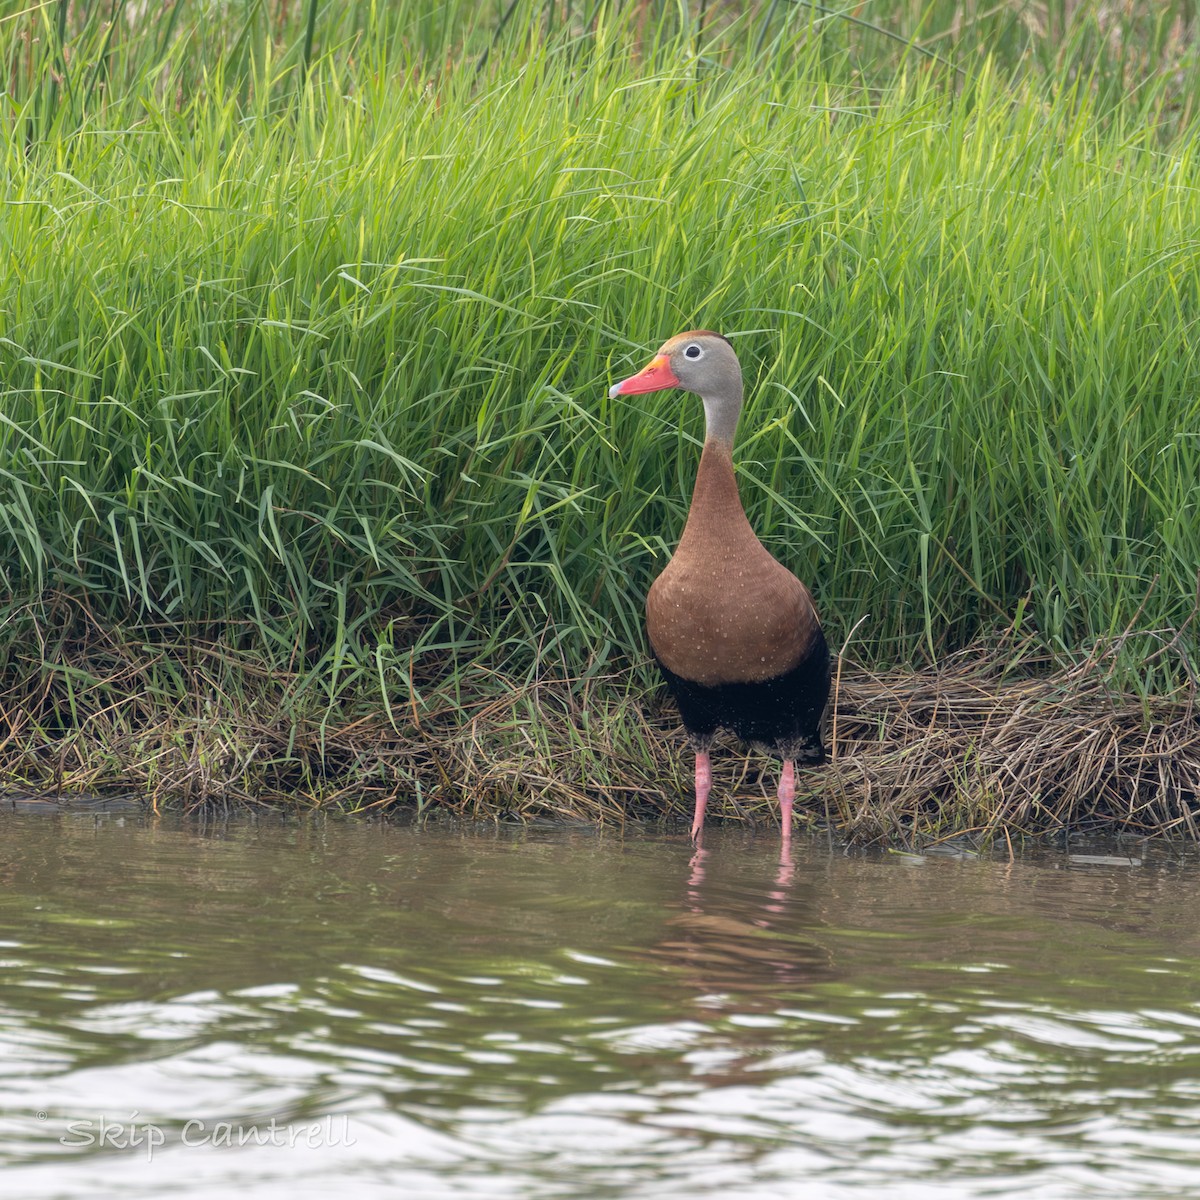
992	742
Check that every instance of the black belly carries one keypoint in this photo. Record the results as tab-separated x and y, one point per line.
782	714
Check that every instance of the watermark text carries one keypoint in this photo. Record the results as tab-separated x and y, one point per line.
145	1137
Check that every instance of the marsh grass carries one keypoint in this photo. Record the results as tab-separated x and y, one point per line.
984	749
303	406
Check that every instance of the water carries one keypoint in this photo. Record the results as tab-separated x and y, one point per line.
561	1013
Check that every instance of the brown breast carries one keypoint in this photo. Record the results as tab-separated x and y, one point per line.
724	610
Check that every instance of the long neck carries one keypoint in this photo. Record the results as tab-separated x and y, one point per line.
722	407
716	514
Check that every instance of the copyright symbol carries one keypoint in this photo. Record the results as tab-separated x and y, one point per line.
40	1114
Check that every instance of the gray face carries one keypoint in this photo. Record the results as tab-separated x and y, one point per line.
704	363
699	361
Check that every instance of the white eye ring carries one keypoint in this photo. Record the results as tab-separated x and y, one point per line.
692	351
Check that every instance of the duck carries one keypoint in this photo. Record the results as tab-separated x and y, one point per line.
735	634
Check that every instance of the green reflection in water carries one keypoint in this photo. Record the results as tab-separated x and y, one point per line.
584	1014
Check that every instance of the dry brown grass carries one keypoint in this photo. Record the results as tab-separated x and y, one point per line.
967	748
978	746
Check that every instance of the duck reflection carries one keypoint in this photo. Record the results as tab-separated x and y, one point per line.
743	940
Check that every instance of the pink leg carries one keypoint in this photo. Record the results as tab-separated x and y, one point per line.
703	787
787	795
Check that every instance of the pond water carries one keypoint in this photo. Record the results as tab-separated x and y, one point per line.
275	1009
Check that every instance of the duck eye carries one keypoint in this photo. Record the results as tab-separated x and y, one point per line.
693	351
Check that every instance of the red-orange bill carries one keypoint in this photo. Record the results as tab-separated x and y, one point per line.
653	377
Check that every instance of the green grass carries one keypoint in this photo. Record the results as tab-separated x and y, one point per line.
319	367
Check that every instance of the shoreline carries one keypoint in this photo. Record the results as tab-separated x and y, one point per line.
976	747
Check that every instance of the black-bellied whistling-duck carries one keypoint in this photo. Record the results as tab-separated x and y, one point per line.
735	633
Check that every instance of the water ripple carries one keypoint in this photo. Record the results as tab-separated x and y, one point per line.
565	1015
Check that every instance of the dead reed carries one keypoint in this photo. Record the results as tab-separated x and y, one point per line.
990	743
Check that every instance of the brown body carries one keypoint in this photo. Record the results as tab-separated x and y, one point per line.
725	610
734	631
